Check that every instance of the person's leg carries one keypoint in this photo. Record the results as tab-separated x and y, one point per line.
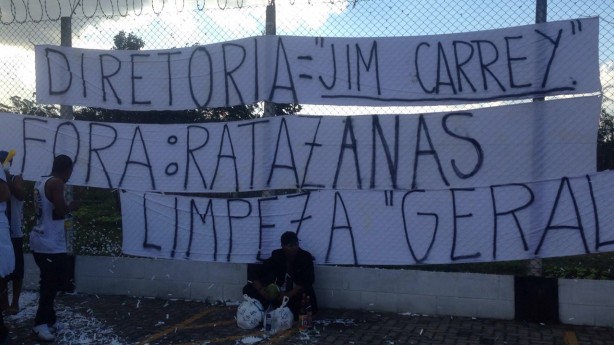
4	293
17	274
48	290
45	314
17	286
4	332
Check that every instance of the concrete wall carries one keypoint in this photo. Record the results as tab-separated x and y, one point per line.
583	302
586	302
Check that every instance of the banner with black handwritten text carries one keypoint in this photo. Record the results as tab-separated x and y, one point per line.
518	62
518	221
525	142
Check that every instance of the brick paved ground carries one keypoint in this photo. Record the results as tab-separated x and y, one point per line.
133	320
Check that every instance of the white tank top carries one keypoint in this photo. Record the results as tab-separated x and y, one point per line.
47	236
16	217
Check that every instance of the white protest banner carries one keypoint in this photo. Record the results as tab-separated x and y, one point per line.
519	62
525	142
519	221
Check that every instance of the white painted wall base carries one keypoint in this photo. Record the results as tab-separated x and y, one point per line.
581	302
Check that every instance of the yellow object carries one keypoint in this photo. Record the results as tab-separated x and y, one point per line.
10	156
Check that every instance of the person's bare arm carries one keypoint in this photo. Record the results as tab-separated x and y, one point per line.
16	187
5	194
54	190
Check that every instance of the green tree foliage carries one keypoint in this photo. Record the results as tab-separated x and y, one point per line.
130	42
605	142
29	107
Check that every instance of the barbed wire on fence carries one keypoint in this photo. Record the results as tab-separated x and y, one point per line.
21	11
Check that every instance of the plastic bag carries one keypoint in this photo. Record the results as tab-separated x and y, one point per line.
282	317
249	313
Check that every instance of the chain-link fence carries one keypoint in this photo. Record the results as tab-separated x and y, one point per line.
162	24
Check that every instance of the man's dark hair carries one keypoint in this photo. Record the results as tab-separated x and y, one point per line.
61	163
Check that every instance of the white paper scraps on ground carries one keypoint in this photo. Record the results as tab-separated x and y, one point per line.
82	326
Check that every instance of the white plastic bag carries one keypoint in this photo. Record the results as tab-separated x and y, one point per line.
249	313
282	317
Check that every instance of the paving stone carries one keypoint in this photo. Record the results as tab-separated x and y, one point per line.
156	321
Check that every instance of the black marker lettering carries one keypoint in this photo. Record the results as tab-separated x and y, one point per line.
367	65
64	143
169	72
435	228
262	225
274	165
94	148
352	146
335	227
430	151
497	214
511	59
418	68
146	243
26	138
56	63
303	218
549	226
203	219
106	77
556	46
228	72
334	63
459	65
190	153
598	243
456	216
210	64
252	124
129	161
393	162
231	216
441	57
231	155
476	145
281	50
484	66
313	144
134	77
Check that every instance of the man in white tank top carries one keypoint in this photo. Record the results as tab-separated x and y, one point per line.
7	258
48	242
15	215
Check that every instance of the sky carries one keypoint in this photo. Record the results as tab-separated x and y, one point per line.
164	24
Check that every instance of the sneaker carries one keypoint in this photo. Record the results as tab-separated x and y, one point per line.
42	333
57	327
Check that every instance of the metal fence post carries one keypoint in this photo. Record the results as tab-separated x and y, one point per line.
536	268
270	29
66	113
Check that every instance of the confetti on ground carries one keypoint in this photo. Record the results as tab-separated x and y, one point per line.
82	326
250	340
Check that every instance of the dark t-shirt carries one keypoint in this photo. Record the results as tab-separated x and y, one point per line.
273	269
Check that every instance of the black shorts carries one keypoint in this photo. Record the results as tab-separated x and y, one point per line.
18	249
